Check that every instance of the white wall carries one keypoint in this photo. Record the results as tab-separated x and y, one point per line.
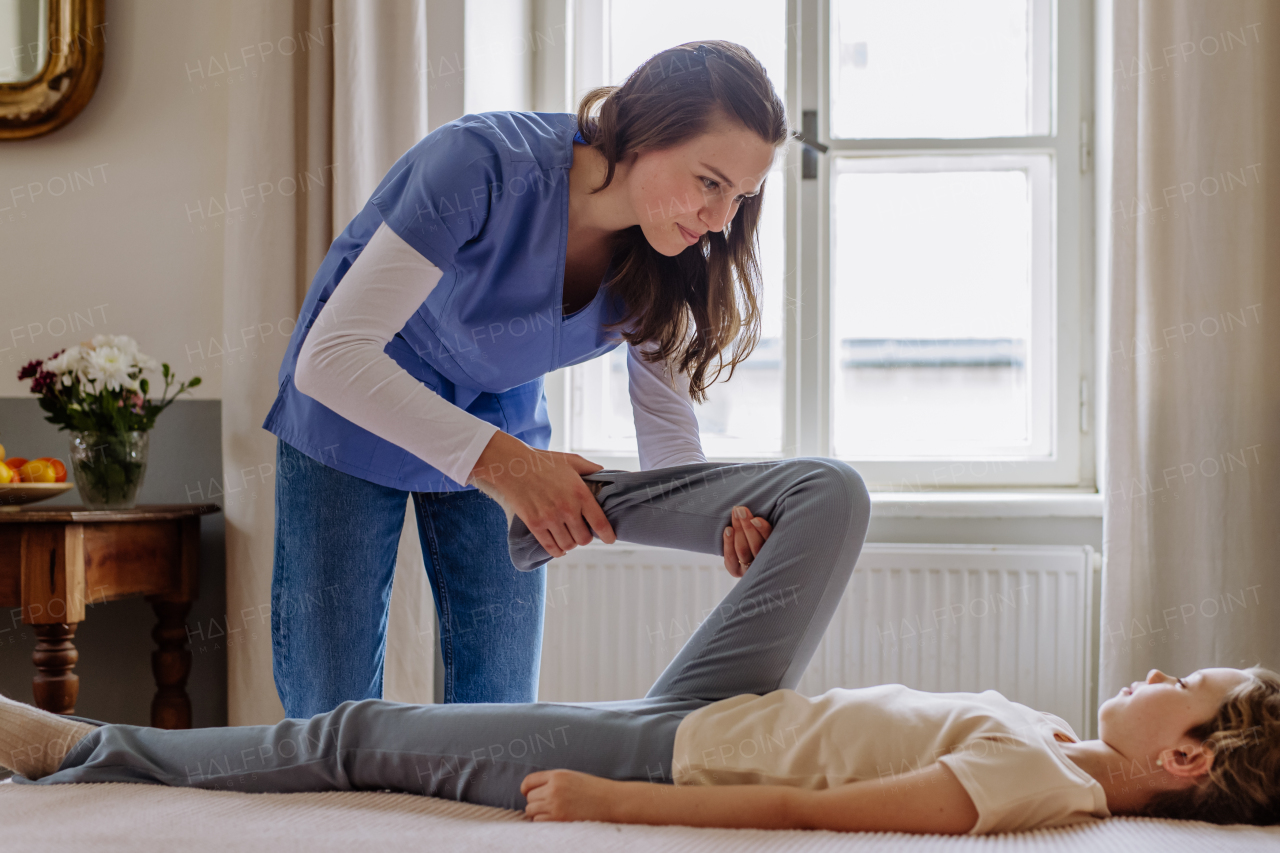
101	225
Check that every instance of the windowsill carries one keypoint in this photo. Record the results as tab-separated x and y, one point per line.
936	505
1040	504
957	503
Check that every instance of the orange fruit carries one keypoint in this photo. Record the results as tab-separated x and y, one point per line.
59	470
37	471
15	464
6	474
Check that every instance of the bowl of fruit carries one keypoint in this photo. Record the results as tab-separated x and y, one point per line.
24	481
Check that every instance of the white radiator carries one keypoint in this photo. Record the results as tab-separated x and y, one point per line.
934	617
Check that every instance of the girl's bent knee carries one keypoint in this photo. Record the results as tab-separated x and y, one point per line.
840	495
859	496
842	487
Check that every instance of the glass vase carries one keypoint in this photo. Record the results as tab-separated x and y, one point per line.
108	467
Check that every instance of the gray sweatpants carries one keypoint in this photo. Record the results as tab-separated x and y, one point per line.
760	638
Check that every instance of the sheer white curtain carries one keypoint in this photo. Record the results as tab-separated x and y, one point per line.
279	126
379	112
341	107
1192	527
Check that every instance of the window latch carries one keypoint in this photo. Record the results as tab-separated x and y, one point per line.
808	135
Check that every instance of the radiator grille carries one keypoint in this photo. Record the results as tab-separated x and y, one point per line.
933	617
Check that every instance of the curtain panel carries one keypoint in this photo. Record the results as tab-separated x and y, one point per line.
1192	522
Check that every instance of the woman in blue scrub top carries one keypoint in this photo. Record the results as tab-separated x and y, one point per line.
544	240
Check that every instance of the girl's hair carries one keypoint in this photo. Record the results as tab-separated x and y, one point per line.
674	96
1243	785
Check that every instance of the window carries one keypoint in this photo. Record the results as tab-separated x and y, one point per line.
924	275
742	418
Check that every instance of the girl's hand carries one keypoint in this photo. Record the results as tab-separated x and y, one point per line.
563	795
546	490
743	540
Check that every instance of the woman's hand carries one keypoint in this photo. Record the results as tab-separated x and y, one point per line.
546	490
743	540
567	795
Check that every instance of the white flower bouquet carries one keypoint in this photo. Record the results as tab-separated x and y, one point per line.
97	391
98	386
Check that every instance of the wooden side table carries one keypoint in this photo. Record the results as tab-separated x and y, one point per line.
54	560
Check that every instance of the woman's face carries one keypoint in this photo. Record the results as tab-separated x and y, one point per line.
1153	715
680	193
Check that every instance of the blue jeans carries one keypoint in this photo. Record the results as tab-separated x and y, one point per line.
336	538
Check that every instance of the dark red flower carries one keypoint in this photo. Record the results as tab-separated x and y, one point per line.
31	368
44	381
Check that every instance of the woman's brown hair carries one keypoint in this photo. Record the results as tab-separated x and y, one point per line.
674	96
1243	784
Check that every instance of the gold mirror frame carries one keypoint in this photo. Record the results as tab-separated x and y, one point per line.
66	83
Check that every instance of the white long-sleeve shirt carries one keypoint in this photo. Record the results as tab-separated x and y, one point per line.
343	366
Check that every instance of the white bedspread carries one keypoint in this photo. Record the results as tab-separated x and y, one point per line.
145	818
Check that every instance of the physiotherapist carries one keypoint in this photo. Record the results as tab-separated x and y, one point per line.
503	246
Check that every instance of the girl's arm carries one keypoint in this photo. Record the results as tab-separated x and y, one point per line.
929	800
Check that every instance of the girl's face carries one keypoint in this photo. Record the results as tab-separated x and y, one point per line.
1148	717
680	193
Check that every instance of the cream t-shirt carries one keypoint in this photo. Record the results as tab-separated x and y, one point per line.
1004	754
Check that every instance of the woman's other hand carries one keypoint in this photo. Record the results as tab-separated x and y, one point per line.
743	540
545	489
563	795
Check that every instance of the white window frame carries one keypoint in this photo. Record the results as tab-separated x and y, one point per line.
1040	182
807	359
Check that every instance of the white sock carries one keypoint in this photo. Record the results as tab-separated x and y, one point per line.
34	742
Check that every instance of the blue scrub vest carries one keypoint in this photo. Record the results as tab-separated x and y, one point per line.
486	199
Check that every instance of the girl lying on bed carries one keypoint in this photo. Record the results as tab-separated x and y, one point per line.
723	722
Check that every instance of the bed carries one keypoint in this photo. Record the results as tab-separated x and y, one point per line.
145	818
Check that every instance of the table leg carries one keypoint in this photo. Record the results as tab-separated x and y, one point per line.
171	664
56	686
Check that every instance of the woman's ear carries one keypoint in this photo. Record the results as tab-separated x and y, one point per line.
1188	760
